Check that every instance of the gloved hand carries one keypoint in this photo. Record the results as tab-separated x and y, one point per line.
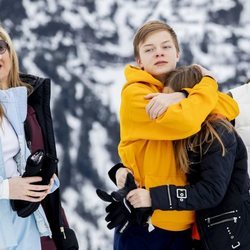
120	212
120	215
121	193
38	164
142	215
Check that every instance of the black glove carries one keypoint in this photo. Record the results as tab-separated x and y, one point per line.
142	215
120	212
38	164
120	215
121	194
123	216
138	215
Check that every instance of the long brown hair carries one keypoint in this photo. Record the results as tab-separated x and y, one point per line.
188	77
13	77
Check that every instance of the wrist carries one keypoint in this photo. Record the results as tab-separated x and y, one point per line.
112	172
184	92
156	194
4	189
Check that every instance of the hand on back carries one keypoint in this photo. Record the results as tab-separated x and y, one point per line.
204	71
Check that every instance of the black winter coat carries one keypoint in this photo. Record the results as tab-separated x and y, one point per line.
40	102
218	191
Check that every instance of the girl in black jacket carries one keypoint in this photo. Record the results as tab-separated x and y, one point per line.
215	160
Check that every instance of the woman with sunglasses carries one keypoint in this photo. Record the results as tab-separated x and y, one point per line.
16	232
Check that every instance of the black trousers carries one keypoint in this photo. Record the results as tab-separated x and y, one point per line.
138	238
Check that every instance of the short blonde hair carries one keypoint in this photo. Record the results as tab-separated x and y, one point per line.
149	28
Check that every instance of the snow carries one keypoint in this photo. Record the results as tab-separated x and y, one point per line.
100	156
84	34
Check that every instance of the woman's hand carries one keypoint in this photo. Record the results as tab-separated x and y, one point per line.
159	103
121	176
139	197
24	189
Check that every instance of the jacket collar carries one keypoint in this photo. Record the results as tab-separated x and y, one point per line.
14	103
136	75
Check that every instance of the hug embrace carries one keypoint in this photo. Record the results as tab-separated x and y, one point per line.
188	163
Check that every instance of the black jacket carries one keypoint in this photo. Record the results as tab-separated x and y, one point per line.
218	191
40	101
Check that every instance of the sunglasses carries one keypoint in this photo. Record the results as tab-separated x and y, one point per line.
3	46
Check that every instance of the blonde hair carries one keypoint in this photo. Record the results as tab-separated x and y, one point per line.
188	77
149	28
13	77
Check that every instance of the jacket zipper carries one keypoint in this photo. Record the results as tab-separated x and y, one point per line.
234	219
219	215
63	232
169	197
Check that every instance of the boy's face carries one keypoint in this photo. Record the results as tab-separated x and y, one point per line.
158	54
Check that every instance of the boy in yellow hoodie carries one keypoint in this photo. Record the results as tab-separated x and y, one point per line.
149	121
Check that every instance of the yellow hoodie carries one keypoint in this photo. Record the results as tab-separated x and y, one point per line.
146	145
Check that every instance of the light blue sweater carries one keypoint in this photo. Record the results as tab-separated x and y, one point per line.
15	231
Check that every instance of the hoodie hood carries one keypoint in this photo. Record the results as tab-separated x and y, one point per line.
136	75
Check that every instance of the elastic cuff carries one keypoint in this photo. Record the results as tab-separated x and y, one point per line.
184	92
113	170
159	198
233	122
56	185
4	189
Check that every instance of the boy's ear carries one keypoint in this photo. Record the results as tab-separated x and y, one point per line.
138	61
178	56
